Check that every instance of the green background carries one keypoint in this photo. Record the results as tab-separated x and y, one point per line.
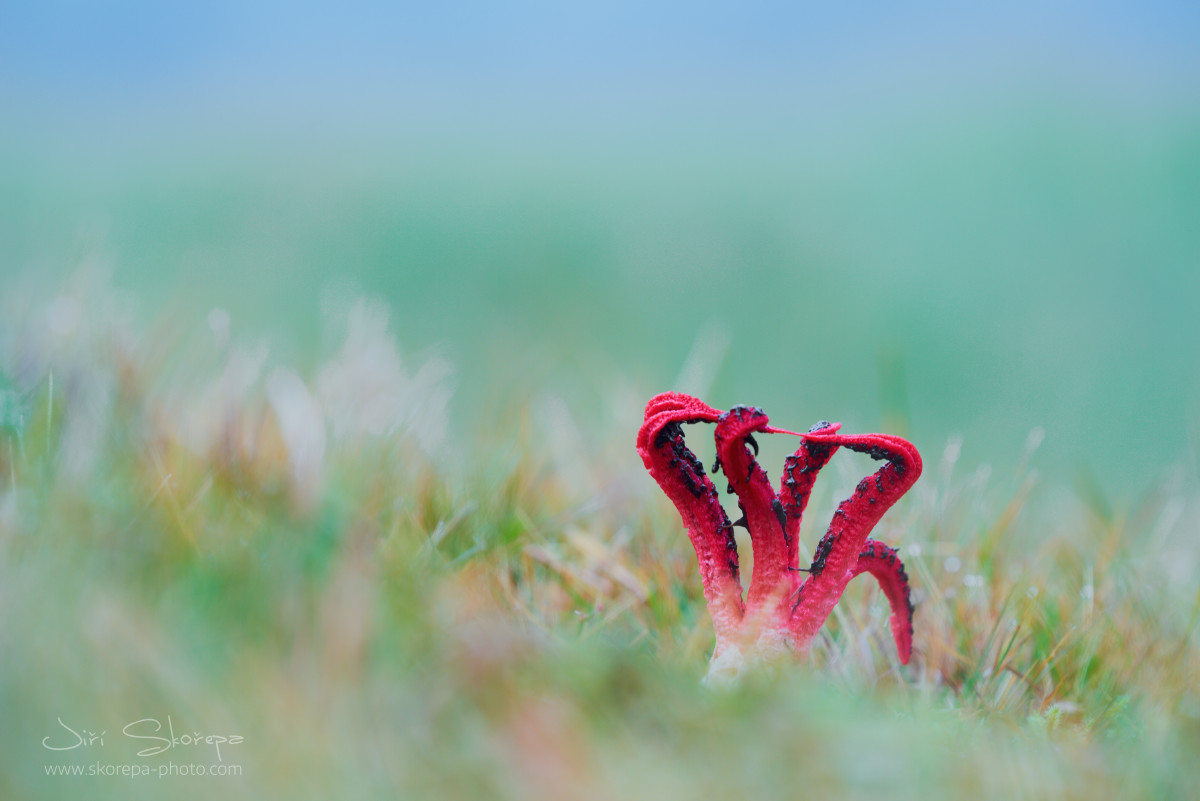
982	267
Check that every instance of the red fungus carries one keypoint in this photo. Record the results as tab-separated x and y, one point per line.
681	476
779	612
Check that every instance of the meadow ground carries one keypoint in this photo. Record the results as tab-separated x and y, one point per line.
403	547
319	561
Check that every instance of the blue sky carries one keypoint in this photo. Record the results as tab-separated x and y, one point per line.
130	54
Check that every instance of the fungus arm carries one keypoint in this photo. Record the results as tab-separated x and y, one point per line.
882	562
799	473
837	554
763	514
681	476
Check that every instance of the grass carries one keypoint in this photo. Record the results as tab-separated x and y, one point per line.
380	612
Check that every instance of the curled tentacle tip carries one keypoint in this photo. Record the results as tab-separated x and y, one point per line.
678	406
822	429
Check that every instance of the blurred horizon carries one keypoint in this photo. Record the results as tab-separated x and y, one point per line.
971	223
